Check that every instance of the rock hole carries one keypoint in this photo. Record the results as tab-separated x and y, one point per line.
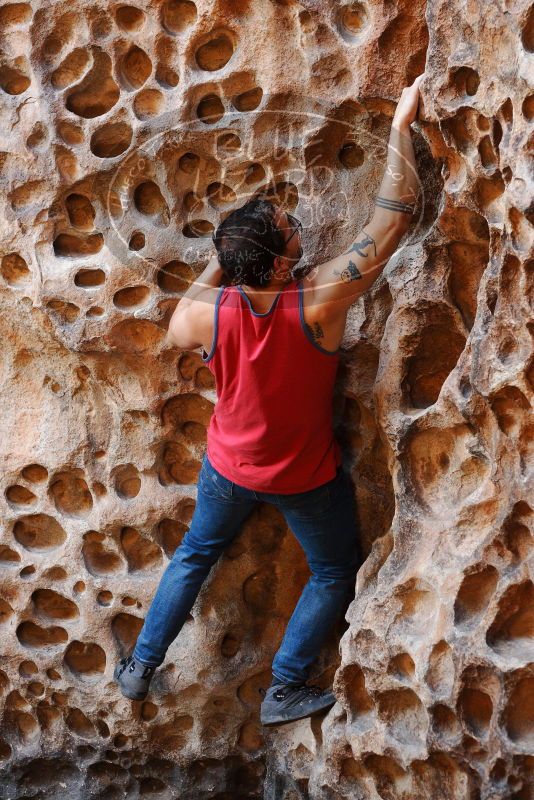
359	699
39	533
150	202
435	352
52	605
189	163
351	155
527	31
85	660
215	53
512	631
31	635
67	312
14	15
79	724
475	593
403	713
131	297
95	311
444	721
510	407
8	557
19	495
351	20
210	109
475	708
126	628
81	212
178	15
248	101
527	107
166	76
70	494
130	18
67	245
126	480
465	80
135	336
170	535
220	195
99	560
228	144
175	276
198	228
402	666
137	241
98	92
230	644
15	270
14	78
488	157
35	473
148	103
90	278
72	68
518	714
141	553
135	68
6	612
104	598
111	140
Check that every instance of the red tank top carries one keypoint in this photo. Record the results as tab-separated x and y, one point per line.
272	426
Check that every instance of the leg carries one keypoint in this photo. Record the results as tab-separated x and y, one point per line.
326	527
218	515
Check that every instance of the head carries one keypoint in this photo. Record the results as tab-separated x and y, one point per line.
259	244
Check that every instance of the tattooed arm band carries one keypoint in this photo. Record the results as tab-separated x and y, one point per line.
394	205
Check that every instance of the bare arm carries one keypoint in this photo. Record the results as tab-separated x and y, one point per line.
343	279
192	311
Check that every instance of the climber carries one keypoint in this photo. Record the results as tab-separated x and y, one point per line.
272	343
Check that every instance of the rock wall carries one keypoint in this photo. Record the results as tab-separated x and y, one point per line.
127	133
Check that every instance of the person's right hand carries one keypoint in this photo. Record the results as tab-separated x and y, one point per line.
406	110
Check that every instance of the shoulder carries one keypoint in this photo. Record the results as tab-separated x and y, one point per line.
324	322
201	312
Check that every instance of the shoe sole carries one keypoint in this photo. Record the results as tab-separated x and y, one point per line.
281	718
124	692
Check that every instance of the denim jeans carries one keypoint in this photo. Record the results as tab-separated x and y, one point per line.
324	522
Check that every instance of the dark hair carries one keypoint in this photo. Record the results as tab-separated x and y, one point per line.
247	242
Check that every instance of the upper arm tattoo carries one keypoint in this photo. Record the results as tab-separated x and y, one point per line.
316	332
359	246
350	273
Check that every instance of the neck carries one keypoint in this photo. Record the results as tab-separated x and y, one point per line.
272	286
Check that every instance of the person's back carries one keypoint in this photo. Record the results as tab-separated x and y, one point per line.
271	429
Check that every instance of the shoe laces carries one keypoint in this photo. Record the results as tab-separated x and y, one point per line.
309	689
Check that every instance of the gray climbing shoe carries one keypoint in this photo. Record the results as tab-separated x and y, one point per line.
287	702
133	677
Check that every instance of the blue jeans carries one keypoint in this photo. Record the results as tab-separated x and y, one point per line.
324	522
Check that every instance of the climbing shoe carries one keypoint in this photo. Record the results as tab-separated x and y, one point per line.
285	702
133	677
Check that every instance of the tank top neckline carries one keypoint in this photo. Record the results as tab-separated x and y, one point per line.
273	304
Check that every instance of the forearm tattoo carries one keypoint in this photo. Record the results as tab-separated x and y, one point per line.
316	332
394	205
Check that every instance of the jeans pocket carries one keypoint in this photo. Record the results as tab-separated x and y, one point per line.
307	505
212	483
